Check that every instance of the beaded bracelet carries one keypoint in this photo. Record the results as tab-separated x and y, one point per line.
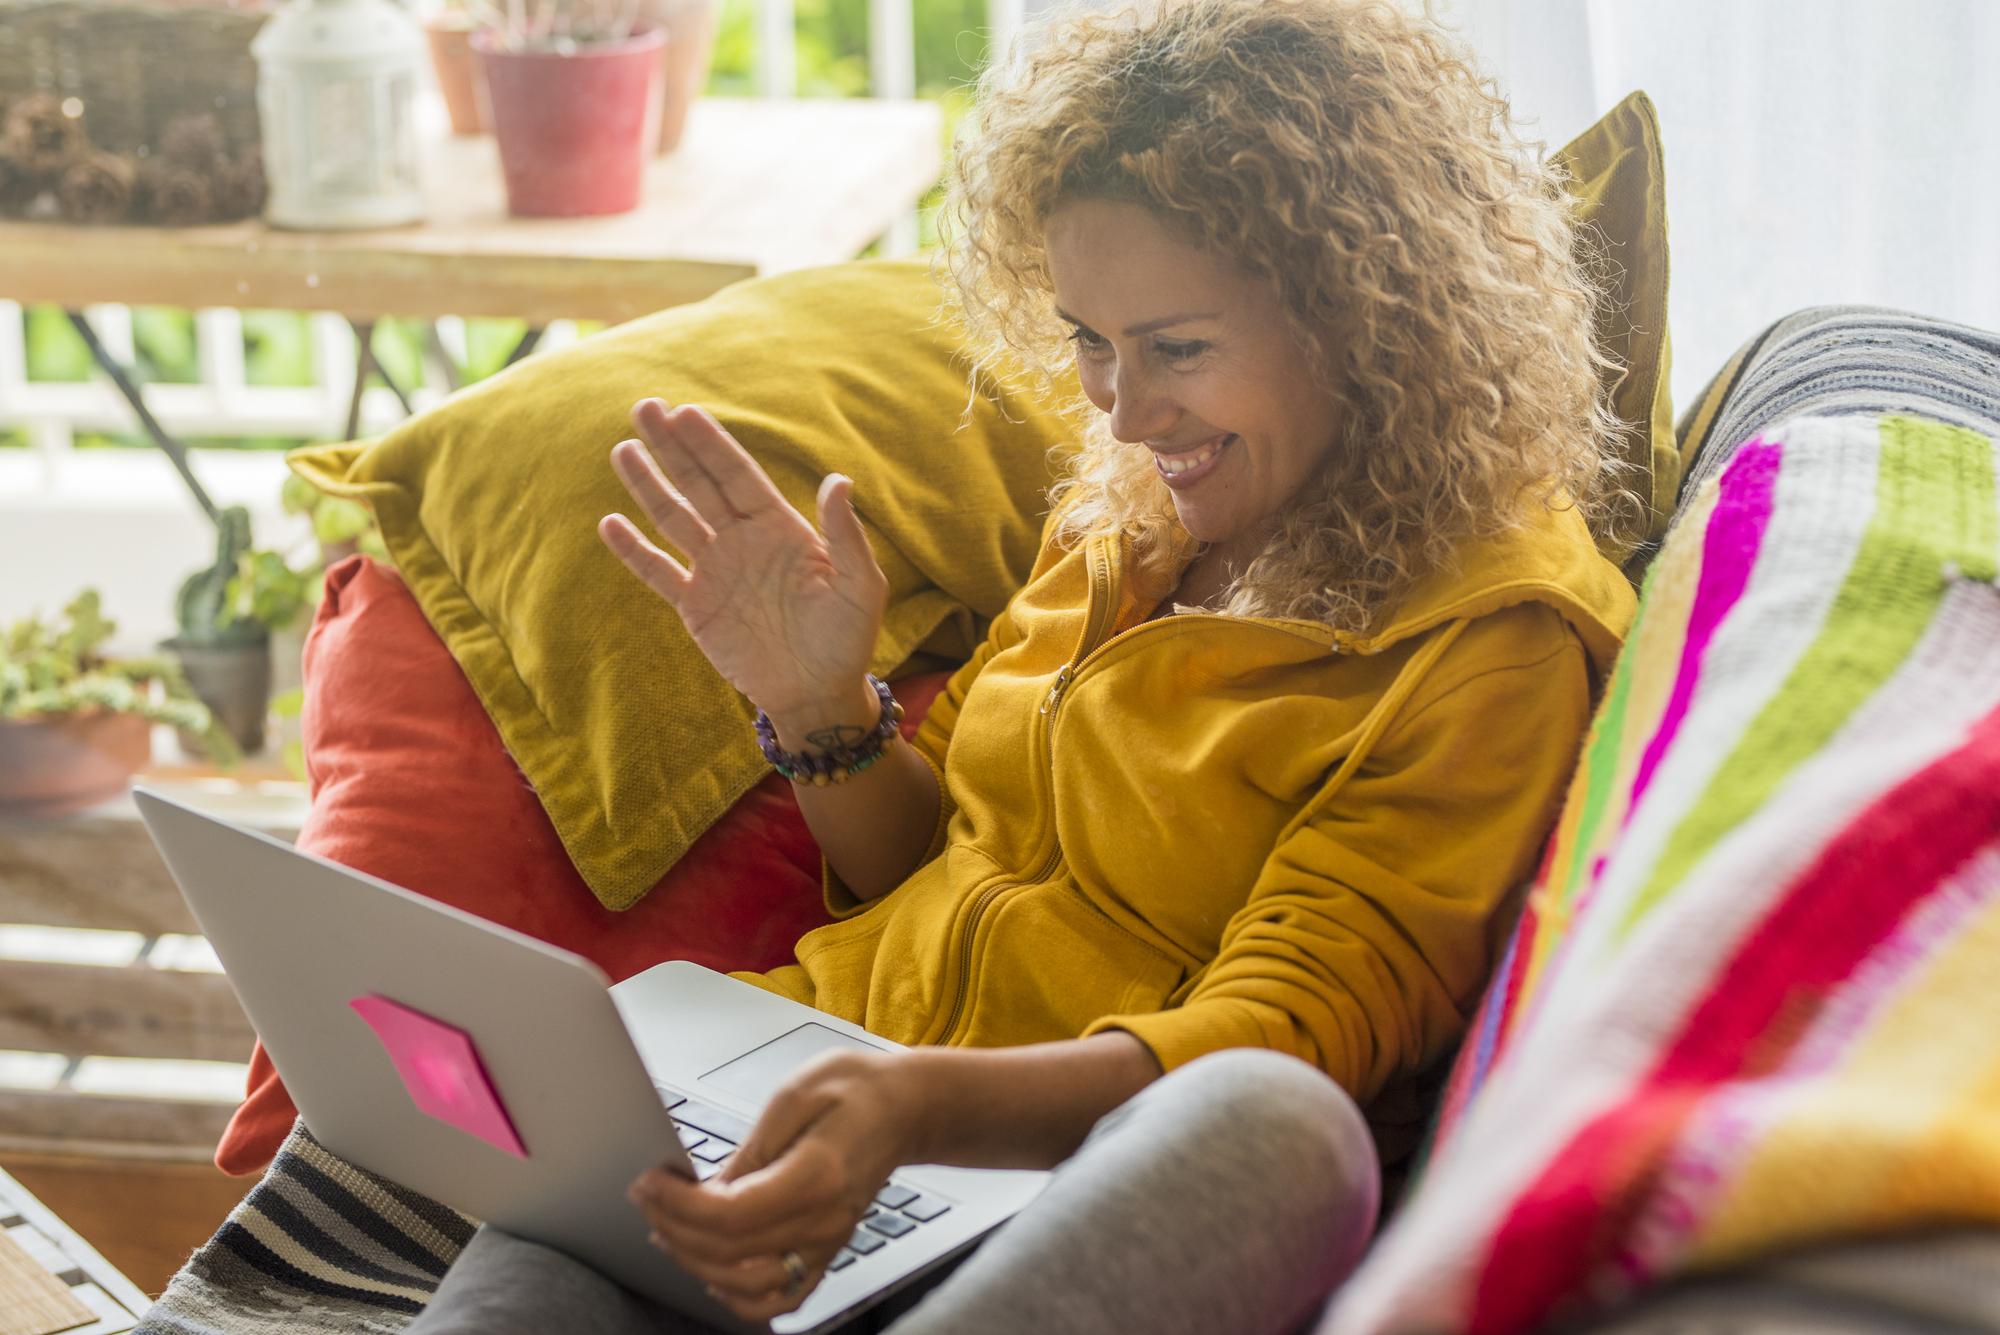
843	762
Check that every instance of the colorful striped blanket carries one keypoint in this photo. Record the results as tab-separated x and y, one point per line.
1754	1003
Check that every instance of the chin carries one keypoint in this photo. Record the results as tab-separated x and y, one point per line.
1200	526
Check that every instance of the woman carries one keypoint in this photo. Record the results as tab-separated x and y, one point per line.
1253	759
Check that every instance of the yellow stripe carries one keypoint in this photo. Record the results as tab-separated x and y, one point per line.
1653	656
1906	1131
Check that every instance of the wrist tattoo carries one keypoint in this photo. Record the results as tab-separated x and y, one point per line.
836	738
845	751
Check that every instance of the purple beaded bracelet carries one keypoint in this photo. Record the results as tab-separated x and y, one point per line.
840	764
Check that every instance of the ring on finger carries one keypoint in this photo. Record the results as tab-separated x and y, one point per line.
795	1274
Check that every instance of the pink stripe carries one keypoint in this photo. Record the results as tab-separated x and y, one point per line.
1729	550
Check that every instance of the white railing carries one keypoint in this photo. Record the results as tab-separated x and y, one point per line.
222	403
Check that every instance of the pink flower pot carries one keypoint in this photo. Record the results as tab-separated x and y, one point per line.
575	130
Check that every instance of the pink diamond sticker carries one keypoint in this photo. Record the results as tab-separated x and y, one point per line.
441	1069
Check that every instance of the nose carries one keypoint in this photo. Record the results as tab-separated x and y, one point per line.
1140	407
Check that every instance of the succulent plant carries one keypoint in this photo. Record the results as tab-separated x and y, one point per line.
56	667
205	608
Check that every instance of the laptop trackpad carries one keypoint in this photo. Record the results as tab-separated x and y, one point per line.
756	1075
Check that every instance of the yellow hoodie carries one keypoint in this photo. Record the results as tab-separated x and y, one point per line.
1228	831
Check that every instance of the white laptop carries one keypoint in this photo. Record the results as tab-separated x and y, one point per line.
503	1077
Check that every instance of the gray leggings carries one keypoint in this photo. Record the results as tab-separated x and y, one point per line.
1232	1194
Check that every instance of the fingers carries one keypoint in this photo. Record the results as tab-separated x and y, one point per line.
670	512
716	474
846	541
661	573
749	1277
801	1197
791	1111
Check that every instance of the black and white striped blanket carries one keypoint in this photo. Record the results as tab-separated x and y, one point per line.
318	1246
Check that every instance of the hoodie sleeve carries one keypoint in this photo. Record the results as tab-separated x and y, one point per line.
1370	929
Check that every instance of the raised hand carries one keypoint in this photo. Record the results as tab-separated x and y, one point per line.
787	615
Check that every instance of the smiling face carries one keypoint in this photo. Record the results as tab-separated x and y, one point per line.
1191	356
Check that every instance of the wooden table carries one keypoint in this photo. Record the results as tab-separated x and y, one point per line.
757	187
51	1279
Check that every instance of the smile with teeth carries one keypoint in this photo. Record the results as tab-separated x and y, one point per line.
1173	465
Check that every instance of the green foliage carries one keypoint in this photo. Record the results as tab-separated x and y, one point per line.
277	348
732	70
951	45
55	667
268	591
55	350
399	347
290	705
335	519
833	47
164	340
488	344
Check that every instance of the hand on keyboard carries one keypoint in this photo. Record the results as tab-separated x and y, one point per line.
803	1180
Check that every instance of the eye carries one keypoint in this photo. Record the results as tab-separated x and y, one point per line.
1088	340
1179	352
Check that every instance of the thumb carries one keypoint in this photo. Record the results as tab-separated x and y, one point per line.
846	541
784	1119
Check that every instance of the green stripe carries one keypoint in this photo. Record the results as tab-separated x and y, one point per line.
1600	756
1934	504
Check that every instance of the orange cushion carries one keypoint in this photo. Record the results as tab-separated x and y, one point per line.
411	783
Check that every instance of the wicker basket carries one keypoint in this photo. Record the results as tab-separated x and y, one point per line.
136	67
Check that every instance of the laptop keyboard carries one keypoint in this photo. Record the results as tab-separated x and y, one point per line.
711	1135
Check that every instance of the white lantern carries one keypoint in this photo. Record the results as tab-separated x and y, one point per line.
335	84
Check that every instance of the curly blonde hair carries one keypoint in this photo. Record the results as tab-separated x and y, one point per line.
1344	153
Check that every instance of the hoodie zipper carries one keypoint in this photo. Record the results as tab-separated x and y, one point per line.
1097	613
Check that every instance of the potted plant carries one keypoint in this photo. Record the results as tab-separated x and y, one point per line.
74	724
226	614
574	93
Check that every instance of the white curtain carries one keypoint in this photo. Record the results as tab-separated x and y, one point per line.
1817	151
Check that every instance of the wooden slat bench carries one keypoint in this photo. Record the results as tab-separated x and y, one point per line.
131	1170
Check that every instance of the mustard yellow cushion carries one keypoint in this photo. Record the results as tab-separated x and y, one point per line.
1618	178
489	504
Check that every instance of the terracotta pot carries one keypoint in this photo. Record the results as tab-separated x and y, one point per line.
53	765
690	26
575	130
457	72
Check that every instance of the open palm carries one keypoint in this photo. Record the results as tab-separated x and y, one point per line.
787	615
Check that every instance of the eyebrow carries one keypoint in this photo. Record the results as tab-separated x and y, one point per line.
1152	326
